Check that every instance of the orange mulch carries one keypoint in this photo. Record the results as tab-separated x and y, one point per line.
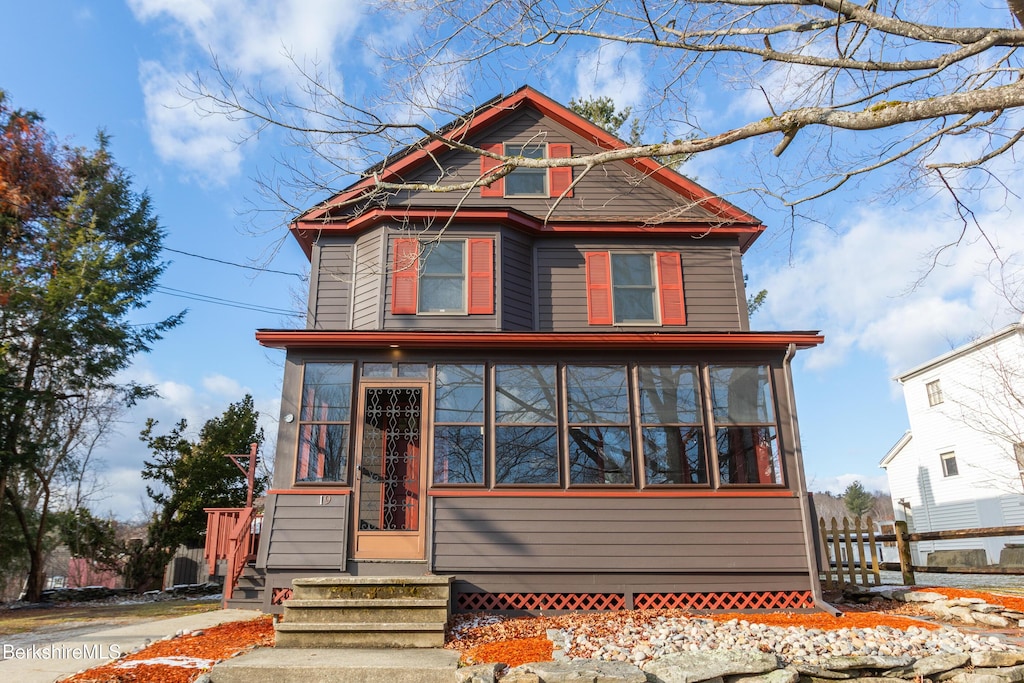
512	652
1007	601
182	660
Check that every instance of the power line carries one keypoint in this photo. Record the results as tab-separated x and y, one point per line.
236	265
196	296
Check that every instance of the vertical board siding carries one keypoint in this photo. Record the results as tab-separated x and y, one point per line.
367	298
516	284
709	287
744	535
333	287
307	532
616	191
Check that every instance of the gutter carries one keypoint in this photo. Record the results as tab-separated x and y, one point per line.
812	562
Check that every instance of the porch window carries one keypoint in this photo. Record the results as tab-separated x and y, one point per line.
631	288
443	277
598	422
459	424
525	424
745	432
324	423
671	425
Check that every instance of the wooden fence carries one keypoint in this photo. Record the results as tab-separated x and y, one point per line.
848	553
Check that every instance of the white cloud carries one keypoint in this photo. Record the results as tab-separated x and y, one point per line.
614	71
837	484
220	385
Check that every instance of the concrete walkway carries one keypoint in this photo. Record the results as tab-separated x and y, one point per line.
49	662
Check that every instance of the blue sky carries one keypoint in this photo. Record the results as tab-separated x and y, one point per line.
116	66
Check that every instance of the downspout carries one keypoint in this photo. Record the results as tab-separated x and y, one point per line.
812	562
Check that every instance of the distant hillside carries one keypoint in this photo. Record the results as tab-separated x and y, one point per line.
829	505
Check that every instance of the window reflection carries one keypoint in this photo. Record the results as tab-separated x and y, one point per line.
745	432
598	410
526	430
459	424
324	420
670	416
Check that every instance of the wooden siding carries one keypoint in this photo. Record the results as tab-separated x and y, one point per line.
330	308
710	286
630	582
515	286
369	281
304	532
612	192
754	535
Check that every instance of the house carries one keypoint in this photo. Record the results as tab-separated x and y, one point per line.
961	464
546	388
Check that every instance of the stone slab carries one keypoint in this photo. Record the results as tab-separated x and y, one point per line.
272	665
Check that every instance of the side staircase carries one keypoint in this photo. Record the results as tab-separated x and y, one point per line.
248	590
366	612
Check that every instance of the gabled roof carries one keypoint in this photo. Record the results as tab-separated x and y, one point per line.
1015	328
728	218
896	449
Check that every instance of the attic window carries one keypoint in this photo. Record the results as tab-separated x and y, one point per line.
526	182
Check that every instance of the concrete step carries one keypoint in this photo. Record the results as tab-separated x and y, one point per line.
270	665
372	587
392	610
360	635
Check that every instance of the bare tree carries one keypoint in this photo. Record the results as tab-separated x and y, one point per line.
848	88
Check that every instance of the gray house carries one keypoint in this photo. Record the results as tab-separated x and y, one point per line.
548	391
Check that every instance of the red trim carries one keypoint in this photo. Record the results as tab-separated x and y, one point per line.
487	164
670	288
312	492
414	339
405	276
599	287
561	493
481	276
559	179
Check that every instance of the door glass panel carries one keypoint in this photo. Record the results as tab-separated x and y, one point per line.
389	468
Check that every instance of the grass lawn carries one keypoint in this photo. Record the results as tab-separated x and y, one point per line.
29	619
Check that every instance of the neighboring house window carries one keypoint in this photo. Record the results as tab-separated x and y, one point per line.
528	182
448	276
324	420
934	393
598	421
1018	453
949	468
745	434
525	424
634	288
671	425
459	424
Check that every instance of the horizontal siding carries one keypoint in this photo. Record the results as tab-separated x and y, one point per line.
334	287
615	191
710	290
618	534
305	534
691	582
516	278
367	298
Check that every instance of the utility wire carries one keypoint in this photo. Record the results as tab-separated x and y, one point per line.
236	265
195	296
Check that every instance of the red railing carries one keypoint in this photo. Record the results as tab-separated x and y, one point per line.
232	534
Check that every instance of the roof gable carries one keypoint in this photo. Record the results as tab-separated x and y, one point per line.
672	203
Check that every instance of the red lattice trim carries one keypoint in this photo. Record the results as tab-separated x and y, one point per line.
725	601
472	602
279	595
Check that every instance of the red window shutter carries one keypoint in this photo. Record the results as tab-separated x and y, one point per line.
559	179
405	276
487	164
481	276
599	287
670	288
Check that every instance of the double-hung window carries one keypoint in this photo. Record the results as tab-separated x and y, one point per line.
671	425
459	424
934	391
525	181
526	424
324	421
745	433
631	288
442	277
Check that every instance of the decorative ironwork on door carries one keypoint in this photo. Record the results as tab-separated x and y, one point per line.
389	467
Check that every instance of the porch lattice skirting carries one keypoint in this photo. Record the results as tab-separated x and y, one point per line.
762	600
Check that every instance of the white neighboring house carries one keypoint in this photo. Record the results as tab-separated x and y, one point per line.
961	464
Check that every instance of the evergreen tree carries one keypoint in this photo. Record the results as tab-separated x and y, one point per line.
858	501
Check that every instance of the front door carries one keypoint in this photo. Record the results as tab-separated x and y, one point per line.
390	464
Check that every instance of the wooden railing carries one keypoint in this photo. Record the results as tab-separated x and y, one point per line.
848	553
232	535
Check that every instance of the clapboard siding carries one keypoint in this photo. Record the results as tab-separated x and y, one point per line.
516	281
333	286
615	191
369	279
650	582
616	534
709	284
305	532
